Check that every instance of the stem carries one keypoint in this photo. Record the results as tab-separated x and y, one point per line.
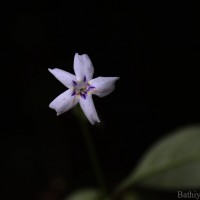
93	156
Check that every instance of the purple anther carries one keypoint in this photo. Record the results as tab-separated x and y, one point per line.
91	87
84	79
73	93
74	83
83	95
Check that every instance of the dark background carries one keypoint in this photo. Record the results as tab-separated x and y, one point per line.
153	48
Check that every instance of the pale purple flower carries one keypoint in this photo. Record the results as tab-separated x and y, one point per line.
81	87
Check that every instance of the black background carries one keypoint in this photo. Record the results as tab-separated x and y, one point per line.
153	48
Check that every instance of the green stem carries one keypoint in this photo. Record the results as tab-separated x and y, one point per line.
93	157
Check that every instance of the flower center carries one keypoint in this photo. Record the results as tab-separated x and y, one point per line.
81	88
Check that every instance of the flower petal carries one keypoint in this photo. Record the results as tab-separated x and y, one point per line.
103	85
83	67
88	108
64	77
63	102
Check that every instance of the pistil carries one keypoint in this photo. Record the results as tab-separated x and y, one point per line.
81	88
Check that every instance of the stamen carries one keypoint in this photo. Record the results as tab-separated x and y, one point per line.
83	95
82	88
74	83
73	93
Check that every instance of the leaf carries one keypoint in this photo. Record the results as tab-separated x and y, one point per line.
86	194
130	196
173	163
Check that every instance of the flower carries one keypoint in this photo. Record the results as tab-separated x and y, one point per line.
81	87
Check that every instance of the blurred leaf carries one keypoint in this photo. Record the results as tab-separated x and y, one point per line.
130	196
86	194
172	163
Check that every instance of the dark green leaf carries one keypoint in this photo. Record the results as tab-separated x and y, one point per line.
86	194
172	163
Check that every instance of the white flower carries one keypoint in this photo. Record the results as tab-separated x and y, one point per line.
81	87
